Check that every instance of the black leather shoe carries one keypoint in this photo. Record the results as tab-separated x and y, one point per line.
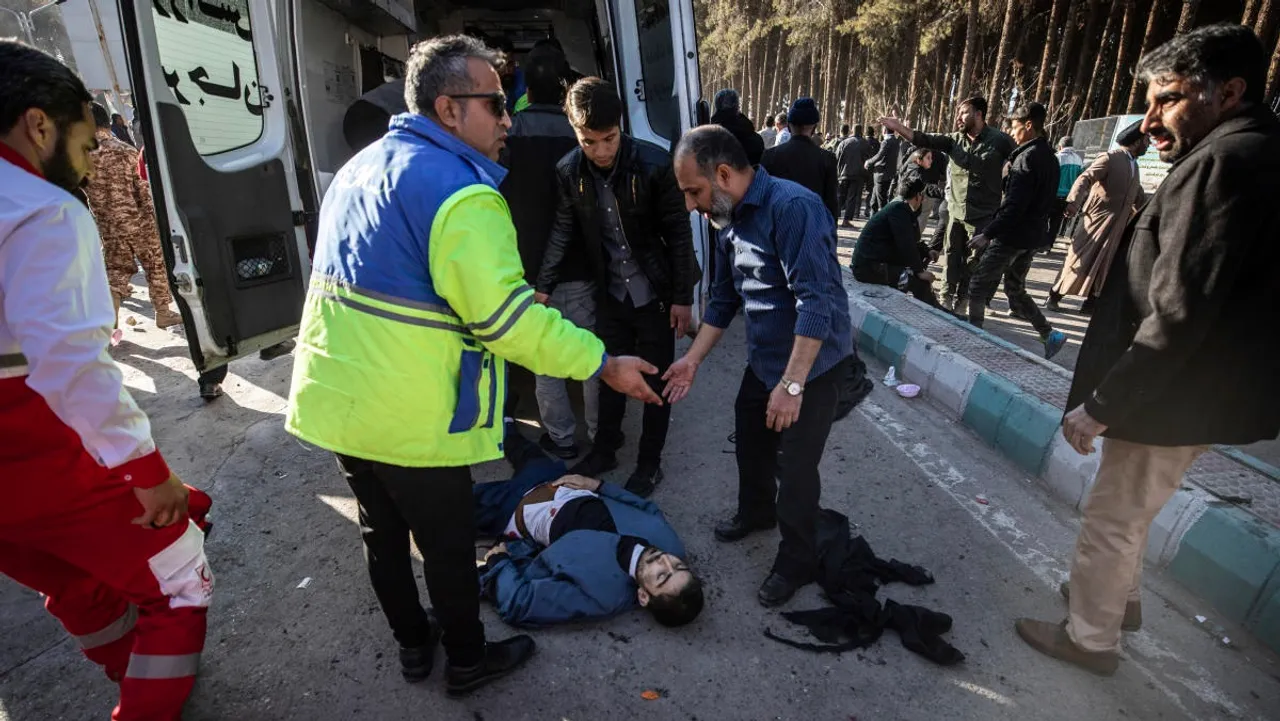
776	590
279	349
563	452
736	529
645	479
210	391
500	659
597	463
416	663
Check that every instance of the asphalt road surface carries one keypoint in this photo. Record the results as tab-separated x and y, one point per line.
909	478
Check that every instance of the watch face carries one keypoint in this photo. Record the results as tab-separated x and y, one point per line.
794	389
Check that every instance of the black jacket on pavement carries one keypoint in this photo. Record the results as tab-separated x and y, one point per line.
654	220
886	158
892	237
1030	190
1182	346
851	155
539	137
742	129
800	160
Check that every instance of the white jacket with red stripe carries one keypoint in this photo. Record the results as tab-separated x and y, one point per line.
56	318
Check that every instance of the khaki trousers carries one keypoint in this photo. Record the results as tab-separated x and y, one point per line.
1134	482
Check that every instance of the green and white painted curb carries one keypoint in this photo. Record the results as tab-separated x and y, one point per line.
1221	553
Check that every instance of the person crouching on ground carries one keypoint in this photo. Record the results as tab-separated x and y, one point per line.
890	243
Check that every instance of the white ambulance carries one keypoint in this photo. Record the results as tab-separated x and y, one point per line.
243	102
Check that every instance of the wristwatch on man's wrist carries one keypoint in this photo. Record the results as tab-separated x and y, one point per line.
792	388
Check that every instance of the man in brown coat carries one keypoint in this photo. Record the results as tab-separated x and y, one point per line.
1179	355
1109	191
121	203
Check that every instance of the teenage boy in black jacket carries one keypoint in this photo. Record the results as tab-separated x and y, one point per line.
621	209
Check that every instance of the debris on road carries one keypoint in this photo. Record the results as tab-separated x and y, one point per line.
305	582
1201	619
653	694
891	378
983	500
131	320
908	390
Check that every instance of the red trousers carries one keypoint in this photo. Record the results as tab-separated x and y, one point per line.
135	598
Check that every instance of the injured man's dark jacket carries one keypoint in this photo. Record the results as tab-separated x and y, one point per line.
575	548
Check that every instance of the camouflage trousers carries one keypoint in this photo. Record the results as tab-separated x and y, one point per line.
124	253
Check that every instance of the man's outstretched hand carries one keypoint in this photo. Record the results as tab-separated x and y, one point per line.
626	374
896	126
679	378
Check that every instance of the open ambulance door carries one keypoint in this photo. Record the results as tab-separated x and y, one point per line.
658	56
207	81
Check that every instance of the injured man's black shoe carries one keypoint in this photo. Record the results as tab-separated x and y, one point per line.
500	659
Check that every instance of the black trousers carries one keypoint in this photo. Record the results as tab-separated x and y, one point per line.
885	274
645	332
961	261
1012	264
437	507
881	185
778	472
1056	219
850	196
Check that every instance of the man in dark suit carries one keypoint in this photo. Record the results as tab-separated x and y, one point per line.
851	156
1177	356
800	160
728	115
884	170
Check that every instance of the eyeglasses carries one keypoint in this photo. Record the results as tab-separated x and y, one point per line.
497	101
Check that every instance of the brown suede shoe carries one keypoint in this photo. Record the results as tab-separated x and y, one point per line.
1132	610
1051	639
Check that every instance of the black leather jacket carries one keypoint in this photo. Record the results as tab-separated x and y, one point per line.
654	220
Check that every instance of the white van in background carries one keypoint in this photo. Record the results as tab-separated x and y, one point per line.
243	101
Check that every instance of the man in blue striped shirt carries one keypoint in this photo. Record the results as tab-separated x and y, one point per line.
775	258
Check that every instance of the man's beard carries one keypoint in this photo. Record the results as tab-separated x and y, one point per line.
59	169
721	209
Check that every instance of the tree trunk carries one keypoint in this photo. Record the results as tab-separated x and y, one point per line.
1080	80
970	46
1046	59
830	114
949	77
1097	80
1148	40
995	100
937	86
1266	24
761	101
1122	73
1187	20
1273	78
839	98
913	81
1064	54
777	72
1250	13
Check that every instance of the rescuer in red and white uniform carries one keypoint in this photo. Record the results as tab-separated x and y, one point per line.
90	514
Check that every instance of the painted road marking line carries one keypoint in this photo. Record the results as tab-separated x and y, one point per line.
1045	563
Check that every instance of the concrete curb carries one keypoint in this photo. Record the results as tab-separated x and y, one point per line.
1218	551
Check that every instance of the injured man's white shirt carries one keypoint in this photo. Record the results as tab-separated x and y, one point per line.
538	516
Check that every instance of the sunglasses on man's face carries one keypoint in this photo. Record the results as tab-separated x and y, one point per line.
497	104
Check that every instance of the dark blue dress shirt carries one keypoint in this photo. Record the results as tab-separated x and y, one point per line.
777	261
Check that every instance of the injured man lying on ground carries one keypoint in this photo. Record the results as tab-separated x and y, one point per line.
575	548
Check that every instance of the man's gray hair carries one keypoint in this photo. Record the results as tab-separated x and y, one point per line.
439	67
1211	55
712	146
1066	141
727	99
